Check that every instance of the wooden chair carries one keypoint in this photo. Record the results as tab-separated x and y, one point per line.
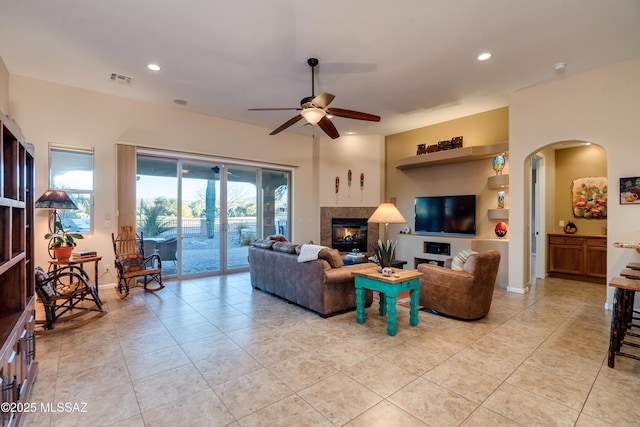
66	294
130	262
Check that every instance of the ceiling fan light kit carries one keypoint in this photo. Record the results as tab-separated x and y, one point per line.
313	114
314	110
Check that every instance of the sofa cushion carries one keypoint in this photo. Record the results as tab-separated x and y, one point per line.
460	258
263	243
285	247
332	256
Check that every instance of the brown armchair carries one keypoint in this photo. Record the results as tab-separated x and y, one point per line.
465	294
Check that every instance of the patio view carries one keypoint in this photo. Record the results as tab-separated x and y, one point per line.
222	209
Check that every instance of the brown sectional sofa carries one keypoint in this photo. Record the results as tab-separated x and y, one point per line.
323	285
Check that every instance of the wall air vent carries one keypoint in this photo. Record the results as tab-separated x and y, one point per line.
121	78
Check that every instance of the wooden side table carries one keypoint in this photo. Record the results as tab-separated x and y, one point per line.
388	287
54	263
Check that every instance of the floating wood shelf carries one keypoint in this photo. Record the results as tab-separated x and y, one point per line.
498	181
457	155
498	213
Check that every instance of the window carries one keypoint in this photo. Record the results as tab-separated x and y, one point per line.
71	170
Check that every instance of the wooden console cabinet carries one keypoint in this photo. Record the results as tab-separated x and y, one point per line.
578	257
17	282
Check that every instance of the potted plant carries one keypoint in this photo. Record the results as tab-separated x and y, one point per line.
62	241
385	252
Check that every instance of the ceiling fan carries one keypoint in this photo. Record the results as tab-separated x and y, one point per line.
315	110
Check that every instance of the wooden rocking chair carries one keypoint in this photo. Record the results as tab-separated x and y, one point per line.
131	263
66	294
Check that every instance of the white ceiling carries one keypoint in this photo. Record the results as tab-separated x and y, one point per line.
412	62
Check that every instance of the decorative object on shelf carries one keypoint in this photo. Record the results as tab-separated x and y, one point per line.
450	144
361	184
500	199
54	200
386	214
498	163
570	228
630	191
61	242
349	183
406	230
589	197
337	188
501	229
387	271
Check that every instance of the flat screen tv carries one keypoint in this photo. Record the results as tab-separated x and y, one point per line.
446	214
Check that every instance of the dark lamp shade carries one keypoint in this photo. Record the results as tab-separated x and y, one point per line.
55	199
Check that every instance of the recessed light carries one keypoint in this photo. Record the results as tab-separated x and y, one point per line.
153	67
484	56
560	67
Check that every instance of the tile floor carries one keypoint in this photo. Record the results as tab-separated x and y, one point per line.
214	352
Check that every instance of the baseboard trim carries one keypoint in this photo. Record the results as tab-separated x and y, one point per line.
521	291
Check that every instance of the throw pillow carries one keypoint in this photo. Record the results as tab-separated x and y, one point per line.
332	256
41	277
461	257
277	238
131	262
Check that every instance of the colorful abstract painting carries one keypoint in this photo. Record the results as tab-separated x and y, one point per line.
589	197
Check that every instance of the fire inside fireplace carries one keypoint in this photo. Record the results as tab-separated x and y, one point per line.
349	234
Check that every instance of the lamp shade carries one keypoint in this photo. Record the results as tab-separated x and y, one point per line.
313	114
55	199
387	213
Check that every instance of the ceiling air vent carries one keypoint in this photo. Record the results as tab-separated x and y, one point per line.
121	78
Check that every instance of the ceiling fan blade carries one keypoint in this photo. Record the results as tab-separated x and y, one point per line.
274	109
286	124
322	100
350	114
327	126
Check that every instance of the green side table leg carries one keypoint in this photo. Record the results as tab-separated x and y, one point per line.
360	315
383	303
413	313
392	325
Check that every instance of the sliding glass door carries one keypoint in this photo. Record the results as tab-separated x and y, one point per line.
201	216
201	231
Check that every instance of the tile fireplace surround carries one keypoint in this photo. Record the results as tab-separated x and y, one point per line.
327	213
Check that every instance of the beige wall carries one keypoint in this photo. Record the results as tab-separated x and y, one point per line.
53	113
4	88
360	154
601	106
573	163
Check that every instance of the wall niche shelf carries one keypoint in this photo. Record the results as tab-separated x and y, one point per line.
497	182
465	154
498	213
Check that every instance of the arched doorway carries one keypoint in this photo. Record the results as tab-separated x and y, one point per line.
553	168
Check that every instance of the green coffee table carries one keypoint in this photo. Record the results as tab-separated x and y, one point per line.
388	288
